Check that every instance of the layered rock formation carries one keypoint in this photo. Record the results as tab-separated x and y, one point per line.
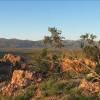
21	77
76	65
9	63
14	59
9	89
89	88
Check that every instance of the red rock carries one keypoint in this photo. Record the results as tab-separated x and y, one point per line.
29	75
9	89
12	58
75	65
90	88
21	77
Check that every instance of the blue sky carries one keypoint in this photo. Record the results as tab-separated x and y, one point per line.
30	19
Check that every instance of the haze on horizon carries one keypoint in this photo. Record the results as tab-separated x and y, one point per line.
27	19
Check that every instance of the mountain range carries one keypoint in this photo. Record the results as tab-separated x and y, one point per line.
16	43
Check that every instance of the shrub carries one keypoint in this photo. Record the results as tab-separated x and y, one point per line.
25	94
76	94
44	52
92	52
52	87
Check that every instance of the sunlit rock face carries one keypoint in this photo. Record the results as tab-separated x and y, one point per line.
9	89
8	64
14	59
76	65
21	77
90	88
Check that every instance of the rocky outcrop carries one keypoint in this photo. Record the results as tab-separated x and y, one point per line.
24	78
76	65
89	88
14	59
21	78
89	62
9	89
9	63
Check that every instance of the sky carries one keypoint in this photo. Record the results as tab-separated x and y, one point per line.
30	19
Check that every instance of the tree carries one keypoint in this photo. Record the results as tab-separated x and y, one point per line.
91	50
87	38
55	40
84	38
47	40
91	38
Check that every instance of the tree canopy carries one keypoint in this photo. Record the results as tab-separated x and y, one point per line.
55	39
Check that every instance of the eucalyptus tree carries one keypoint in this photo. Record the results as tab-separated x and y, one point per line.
91	38
55	39
85	37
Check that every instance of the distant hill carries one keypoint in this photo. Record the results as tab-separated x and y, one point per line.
16	43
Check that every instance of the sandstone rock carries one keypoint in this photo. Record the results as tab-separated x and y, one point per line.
21	77
7	64
90	62
72	65
75	65
9	89
29	75
89	88
12	58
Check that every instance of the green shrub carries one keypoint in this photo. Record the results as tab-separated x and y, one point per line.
44	52
76	94
52	87
92	52
25	94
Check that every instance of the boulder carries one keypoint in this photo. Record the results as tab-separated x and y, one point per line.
89	88
14	59
21	77
89	62
9	89
75	65
71	65
29	75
